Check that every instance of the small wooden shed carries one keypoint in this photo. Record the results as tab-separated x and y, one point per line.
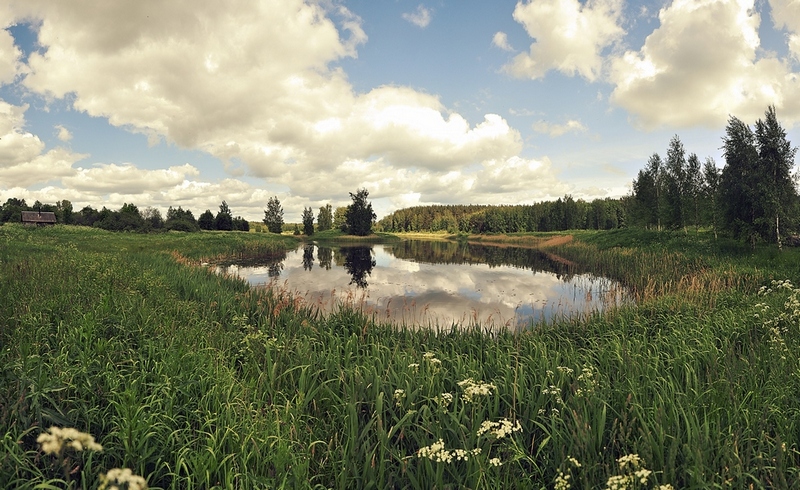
38	218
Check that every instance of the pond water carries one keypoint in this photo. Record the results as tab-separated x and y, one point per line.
417	282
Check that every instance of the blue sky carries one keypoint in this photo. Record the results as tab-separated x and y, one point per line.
192	102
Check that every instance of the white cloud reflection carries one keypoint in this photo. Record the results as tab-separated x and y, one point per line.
416	292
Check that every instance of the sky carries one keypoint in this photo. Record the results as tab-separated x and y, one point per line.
192	102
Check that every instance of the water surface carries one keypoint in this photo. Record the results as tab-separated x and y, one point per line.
437	282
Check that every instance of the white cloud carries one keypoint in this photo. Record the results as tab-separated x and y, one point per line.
63	133
701	65
500	40
23	160
420	17
283	112
10	65
569	36
555	130
127	179
786	15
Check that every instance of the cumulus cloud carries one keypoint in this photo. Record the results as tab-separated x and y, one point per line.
703	64
500	40
198	74
23	159
420	17
127	179
569	36
555	130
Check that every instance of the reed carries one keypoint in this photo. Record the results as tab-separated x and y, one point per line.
194	380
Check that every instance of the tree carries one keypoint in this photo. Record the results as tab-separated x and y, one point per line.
152	218
340	218
64	211
206	220
224	219
12	210
694	185
240	224
308	221
776	189
737	182
675	180
273	215
179	219
359	216
711	177
325	218
648	193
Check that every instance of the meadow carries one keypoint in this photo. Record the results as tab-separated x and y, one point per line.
194	380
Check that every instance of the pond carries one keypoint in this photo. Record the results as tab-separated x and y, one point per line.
437	283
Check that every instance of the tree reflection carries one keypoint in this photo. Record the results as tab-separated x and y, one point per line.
358	262
325	257
274	269
308	257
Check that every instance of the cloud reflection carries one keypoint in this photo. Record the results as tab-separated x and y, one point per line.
403	284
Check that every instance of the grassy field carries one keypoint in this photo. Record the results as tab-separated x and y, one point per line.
192	380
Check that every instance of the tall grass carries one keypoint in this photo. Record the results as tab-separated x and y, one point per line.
193	380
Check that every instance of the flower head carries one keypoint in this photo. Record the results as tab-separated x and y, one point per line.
122	478
59	439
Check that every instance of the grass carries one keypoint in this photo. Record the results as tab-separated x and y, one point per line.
193	380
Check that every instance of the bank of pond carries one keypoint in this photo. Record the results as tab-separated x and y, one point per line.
192	378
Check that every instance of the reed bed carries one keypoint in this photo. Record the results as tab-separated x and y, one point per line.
193	380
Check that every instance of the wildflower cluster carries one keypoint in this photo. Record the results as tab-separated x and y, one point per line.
431	360
437	453
399	396
587	382
779	323
564	476
473	389
121	479
56	440
633	473
444	400
499	429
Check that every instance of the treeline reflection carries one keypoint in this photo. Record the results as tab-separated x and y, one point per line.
442	252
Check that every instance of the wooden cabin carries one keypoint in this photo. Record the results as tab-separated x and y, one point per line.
40	218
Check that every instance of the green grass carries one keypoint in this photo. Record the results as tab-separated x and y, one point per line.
194	380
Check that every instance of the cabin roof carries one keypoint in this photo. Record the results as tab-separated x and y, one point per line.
38	217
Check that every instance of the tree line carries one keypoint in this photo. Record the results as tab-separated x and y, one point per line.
129	217
562	214
754	197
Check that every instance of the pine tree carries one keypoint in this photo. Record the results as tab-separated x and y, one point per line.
675	180
308	221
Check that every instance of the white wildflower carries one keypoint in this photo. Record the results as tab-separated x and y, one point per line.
474	389
122	478
59	439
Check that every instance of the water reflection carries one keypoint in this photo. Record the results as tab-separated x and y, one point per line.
426	282
358	262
